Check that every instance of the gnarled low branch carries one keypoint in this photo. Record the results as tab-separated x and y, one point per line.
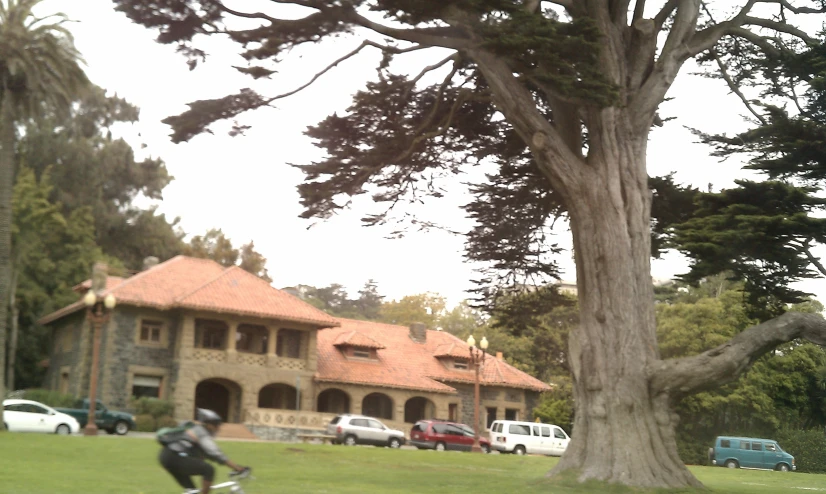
685	376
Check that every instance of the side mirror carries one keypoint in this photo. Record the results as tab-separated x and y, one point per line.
52	412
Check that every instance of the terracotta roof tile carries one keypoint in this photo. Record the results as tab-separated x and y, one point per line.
203	284
238	292
356	339
406	364
454	350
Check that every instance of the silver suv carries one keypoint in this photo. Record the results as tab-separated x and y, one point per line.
360	429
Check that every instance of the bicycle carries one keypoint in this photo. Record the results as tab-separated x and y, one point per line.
233	485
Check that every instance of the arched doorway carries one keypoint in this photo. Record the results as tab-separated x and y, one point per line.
333	401
418	408
280	396
377	405
220	395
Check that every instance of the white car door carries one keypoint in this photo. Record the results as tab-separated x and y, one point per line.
41	420
560	441
547	440
16	418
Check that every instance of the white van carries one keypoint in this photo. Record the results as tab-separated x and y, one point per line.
512	436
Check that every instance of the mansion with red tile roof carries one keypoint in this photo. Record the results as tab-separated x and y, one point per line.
201	335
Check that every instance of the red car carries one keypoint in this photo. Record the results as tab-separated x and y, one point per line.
444	435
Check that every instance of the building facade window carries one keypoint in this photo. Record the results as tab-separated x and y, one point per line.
491	416
251	338
511	414
151	331
288	343
211	334
146	386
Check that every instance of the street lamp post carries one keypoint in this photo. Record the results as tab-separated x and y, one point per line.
98	310
477	358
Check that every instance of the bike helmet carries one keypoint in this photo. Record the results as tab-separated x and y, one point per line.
208	417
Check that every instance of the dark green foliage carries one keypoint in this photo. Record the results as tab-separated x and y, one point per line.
216	246
760	232
202	113
50	398
563	55
335	301
91	169
808	446
557	406
153	407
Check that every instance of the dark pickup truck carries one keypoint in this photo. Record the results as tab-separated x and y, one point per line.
112	422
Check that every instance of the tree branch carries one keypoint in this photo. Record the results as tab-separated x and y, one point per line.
780	27
812	259
556	161
326	69
639	11
256	15
733	86
685	376
419	36
664	13
793	9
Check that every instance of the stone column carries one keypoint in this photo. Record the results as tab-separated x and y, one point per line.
271	340
312	351
187	337
231	337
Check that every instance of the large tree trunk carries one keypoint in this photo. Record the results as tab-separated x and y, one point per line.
622	433
15	320
7	138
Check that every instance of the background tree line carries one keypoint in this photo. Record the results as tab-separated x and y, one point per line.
75	202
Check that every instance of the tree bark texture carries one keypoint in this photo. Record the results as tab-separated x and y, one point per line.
7	141
14	321
622	432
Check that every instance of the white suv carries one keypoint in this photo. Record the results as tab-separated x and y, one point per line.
360	429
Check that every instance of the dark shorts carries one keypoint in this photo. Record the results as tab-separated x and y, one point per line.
183	468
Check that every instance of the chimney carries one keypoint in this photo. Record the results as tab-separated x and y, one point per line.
418	332
149	263
499	356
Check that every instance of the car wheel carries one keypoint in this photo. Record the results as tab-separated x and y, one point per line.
121	428
486	449
440	446
350	440
519	450
394	442
732	464
63	430
783	467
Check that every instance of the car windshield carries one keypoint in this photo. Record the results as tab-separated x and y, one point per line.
468	430
779	448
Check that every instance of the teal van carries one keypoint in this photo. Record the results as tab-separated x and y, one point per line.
750	452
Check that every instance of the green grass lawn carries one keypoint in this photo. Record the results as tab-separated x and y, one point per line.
41	464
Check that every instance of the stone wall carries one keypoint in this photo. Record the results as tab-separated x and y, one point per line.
64	352
282	434
125	356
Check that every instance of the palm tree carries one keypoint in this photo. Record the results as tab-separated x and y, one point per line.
40	73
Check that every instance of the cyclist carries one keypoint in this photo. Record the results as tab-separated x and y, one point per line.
184	457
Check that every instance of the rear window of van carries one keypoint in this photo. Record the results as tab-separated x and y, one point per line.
522	430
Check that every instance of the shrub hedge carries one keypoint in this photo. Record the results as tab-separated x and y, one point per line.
808	446
51	398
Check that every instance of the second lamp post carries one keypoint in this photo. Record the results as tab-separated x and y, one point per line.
477	358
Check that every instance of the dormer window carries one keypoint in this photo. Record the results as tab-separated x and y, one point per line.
356	345
460	365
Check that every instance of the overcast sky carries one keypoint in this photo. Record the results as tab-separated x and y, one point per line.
244	185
